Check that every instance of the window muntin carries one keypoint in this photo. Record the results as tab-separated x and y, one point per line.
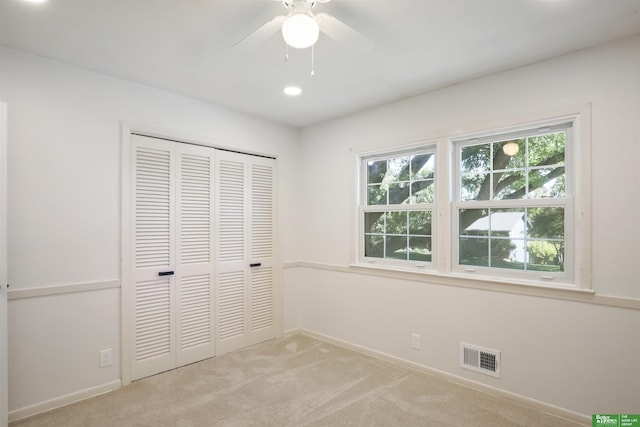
513	210
527	239
406	179
397	214
537	170
399	235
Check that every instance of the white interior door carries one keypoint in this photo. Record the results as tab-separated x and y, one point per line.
231	245
261	307
4	383
172	245
199	255
153	281
195	332
245	253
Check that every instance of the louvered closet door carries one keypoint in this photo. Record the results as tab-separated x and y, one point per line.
173	246
261	310
195	332
153	220
244	262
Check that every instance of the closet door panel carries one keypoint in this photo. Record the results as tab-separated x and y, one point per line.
154	250
231	265
194	270
245	255
261	249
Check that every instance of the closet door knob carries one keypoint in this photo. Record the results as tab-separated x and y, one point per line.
165	273
255	264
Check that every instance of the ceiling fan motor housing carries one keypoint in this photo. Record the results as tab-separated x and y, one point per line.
304	5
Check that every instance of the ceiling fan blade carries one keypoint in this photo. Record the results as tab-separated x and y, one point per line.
342	33
257	37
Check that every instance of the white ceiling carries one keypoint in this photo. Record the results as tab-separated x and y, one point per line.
185	46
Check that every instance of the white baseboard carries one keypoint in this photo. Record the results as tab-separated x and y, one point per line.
526	401
38	408
295	331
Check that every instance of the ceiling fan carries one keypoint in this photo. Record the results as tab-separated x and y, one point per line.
301	28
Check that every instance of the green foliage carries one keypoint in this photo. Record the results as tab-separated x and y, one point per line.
546	223
537	170
542	252
488	172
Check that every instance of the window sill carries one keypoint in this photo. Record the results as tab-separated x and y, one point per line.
474	280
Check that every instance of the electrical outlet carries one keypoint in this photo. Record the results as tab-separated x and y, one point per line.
415	341
105	358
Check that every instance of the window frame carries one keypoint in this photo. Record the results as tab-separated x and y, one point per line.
444	268
566	277
363	207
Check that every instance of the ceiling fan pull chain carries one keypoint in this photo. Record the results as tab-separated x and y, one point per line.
313	72
286	51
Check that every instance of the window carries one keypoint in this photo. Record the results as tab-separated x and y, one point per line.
509	206
397	205
513	208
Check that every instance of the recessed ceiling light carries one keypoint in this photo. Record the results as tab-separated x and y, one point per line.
35	1
292	90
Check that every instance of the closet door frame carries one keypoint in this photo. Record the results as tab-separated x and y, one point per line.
128	130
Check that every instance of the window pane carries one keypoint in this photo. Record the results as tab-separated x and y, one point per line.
376	171
397	222
422	191
420	248
548	182
374	222
546	255
397	247
508	253
422	166
510	185
398	169
420	223
507	223
474	222
475	187
374	246
475	159
509	154
398	193
377	195
531	167
546	223
547	150
474	251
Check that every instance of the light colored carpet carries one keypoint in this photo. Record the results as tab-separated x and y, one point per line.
295	381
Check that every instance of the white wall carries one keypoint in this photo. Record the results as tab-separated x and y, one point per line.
64	198
64	210
4	382
578	356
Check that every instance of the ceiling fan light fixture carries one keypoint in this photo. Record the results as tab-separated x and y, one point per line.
300	30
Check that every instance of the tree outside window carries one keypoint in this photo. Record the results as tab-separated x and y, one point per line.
400	191
512	197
